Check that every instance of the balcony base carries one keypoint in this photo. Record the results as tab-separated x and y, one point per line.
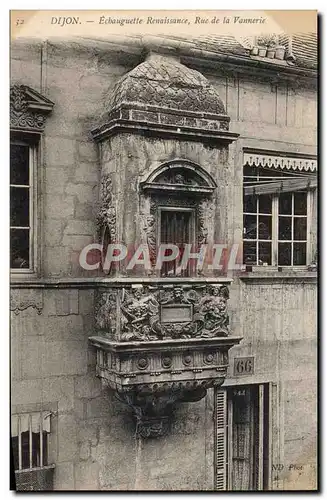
152	377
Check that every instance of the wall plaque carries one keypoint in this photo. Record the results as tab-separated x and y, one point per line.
244	366
176	313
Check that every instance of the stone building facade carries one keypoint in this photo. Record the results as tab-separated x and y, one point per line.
146	379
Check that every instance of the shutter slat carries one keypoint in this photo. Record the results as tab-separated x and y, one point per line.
221	441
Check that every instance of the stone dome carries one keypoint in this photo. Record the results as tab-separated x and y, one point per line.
164	82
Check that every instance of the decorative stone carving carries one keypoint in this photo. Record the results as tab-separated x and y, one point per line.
140	316
165	82
154	312
106	219
149	229
28	109
169	99
106	311
153	376
20	300
180	176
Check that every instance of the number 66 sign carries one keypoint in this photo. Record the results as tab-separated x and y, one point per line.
244	366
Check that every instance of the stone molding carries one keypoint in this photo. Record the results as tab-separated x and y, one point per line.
146	120
28	109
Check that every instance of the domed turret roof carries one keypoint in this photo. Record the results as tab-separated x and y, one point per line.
164	82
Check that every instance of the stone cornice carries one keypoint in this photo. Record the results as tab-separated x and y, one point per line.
162	345
123	47
168	123
28	109
118	282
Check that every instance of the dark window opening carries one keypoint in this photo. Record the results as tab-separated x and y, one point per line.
176	228
20	199
30	452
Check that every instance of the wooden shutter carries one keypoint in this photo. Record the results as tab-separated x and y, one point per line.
260	430
221	440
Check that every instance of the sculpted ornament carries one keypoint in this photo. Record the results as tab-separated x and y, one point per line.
106	218
141	313
28	108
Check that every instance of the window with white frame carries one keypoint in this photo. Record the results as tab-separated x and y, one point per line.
22	206
28	112
277	212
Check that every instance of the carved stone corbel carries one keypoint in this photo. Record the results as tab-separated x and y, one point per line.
162	345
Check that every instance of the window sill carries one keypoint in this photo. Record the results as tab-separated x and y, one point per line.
274	273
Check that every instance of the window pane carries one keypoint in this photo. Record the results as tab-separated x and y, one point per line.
250	172
285	203
300	203
264	227
265	204
249	252
19	206
299	254
250	204
19	248
250	227
300	228
265	253
284	228
19	164
284	254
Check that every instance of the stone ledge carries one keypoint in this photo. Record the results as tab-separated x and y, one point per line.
273	277
118	282
163	130
133	346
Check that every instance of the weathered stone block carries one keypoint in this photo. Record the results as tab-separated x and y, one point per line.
56	260
21	300
87	151
87	475
53	232
60	302
86	301
87	172
64	358
67	442
32	358
56	180
89	431
64	476
80	227
84	211
85	450
60	389
88	386
59	206
25	391
98	407
59	151
83	192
